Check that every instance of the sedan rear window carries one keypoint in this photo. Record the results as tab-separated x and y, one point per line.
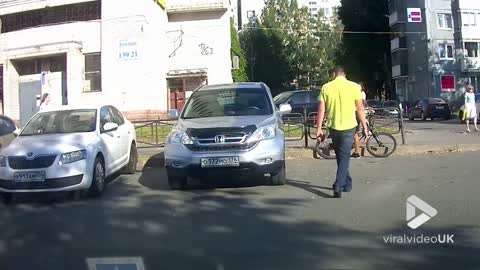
72	121
390	104
374	103
436	101
228	102
7	126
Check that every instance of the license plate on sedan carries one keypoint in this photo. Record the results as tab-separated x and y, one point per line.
29	176
439	107
220	162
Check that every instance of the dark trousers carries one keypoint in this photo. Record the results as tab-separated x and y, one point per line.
342	143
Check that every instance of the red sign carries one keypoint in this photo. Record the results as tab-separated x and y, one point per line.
448	82
414	15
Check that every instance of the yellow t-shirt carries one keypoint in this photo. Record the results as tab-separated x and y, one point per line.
339	96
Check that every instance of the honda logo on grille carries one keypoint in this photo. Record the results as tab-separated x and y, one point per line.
220	139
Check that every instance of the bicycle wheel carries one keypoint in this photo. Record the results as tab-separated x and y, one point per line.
325	149
381	145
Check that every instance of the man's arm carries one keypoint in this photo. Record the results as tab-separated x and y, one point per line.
320	118
361	115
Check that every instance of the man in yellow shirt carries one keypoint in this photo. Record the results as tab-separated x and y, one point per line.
339	100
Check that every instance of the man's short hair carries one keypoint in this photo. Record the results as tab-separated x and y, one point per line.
338	70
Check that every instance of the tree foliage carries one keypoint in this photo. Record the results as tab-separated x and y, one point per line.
288	46
366	55
238	75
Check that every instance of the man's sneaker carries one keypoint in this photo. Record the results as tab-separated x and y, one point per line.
356	155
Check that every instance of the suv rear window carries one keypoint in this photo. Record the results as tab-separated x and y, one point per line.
228	102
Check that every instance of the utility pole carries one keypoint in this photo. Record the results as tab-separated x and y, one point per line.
253	22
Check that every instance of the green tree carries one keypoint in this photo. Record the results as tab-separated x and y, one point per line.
238	75
289	48
366	55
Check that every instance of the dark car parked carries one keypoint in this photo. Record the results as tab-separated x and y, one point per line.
299	100
430	108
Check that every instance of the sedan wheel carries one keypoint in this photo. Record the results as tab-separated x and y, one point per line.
132	162
98	179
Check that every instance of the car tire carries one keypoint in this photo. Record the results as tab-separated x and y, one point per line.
7	198
177	183
411	117
131	167
98	179
423	116
279	178
432	118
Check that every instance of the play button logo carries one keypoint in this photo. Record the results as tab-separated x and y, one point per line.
428	212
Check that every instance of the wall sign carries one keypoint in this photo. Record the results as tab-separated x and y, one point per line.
128	50
414	15
447	82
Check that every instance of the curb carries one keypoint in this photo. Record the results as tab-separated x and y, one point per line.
298	153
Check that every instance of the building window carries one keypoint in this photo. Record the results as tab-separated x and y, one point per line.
50	16
313	3
471	49
325	11
93	73
469	19
444	21
446	51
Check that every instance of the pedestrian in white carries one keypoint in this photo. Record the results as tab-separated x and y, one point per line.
45	101
470	108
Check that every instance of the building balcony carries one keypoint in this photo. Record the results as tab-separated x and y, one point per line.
182	6
393	18
399	71
398	43
470	64
16	6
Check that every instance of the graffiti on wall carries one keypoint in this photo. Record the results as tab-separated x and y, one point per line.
205	49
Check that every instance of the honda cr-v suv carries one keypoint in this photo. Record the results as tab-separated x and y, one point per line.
233	128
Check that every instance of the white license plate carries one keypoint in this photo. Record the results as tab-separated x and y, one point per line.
29	176
220	162
439	107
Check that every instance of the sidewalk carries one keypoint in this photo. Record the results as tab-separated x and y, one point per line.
420	139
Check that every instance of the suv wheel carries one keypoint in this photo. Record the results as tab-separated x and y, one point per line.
280	178
7	198
177	183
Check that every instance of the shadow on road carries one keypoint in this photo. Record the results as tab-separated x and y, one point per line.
222	229
310	188
214	230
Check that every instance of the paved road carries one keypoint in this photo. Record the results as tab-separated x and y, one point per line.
297	226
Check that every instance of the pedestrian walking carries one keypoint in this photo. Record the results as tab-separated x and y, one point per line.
356	137
339	101
470	108
44	101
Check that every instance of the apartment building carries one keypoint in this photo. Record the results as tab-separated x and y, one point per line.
199	47
83	52
433	47
466	18
143	56
325	8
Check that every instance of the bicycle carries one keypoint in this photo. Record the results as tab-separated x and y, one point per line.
375	142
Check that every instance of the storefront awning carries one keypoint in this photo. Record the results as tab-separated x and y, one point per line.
187	73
